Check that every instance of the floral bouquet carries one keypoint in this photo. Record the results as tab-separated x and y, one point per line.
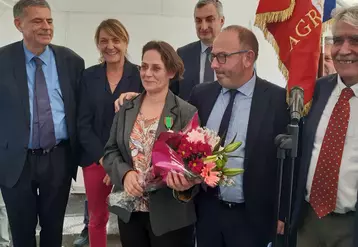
195	152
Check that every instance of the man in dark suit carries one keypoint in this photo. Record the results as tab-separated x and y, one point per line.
253	110
209	19
38	142
326	197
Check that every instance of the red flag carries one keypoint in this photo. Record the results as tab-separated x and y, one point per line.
294	29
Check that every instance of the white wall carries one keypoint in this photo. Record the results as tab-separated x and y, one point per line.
170	20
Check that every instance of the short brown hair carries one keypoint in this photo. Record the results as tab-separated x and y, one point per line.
246	37
172	62
114	28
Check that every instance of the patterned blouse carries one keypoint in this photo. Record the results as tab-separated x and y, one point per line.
141	143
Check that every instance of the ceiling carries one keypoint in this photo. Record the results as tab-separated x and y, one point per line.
10	3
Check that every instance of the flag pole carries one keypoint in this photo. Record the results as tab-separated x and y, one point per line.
321	58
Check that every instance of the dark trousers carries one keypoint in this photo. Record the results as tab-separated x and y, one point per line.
333	230
86	215
223	225
138	232
41	193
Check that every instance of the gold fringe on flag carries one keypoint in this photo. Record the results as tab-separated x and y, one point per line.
276	16
261	22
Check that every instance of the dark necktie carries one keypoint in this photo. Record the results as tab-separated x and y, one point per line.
43	127
224	125
324	189
208	71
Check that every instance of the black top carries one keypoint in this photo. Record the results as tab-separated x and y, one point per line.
96	109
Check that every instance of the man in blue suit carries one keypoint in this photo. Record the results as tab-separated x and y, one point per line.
209	19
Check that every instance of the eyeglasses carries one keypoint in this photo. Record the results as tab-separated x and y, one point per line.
221	57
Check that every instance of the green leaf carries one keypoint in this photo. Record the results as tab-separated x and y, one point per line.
235	156
233	140
217	146
225	158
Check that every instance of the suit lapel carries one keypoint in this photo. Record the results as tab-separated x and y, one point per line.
259	104
63	77
196	63
320	99
130	115
170	110
211	96
20	75
320	103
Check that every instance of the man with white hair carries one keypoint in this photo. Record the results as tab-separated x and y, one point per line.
325	211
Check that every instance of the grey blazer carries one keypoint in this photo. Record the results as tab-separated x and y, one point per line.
166	213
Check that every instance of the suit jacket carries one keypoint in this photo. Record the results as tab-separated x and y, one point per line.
166	213
268	118
190	54
323	90
15	109
96	108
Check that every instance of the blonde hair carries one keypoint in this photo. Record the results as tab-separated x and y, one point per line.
114	28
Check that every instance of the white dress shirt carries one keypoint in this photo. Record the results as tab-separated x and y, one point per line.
203	57
348	174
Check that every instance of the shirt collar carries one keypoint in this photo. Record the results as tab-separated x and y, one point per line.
203	47
342	86
247	89
45	56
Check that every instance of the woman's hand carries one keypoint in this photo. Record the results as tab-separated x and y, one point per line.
178	182
131	184
107	180
119	102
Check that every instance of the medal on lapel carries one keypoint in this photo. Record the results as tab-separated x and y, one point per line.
168	122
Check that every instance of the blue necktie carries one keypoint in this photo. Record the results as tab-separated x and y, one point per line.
208	71
224	125
43	127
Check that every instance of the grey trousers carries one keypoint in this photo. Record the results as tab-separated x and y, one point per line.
4	225
334	230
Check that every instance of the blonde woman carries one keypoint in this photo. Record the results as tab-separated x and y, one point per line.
101	86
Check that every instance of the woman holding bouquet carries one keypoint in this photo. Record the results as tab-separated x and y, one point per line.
159	219
101	85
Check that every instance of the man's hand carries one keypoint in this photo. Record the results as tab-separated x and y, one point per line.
280	227
178	182
107	180
131	184
124	96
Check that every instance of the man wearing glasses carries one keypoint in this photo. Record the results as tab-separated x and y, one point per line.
243	106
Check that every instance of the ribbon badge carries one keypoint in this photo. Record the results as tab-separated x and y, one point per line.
168	122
